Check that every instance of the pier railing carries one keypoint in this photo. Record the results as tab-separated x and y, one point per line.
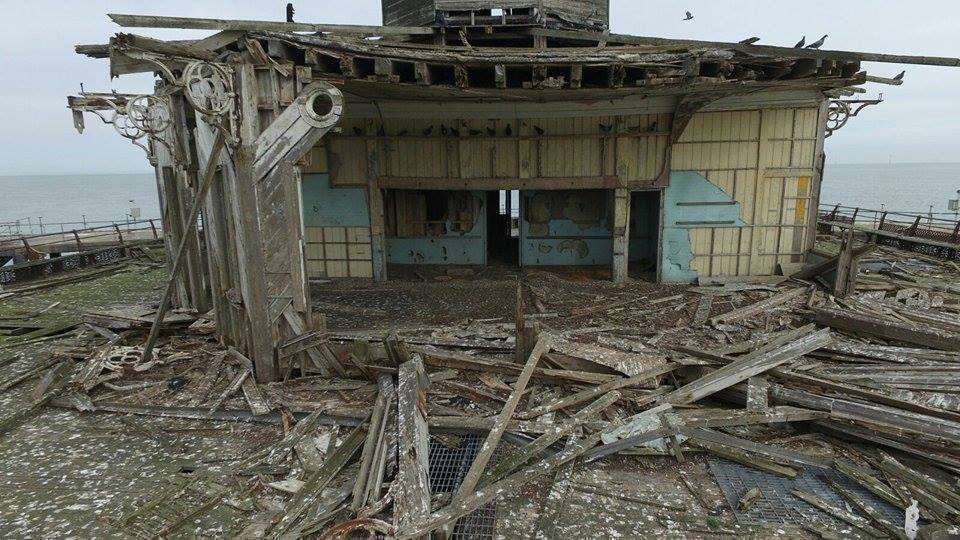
34	255
37	226
933	233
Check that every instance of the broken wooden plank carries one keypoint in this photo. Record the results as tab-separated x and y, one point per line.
839	513
758	307
862	323
472	477
531	450
255	397
746	367
625	362
943	492
869	511
766	451
869	482
412	500
749	499
50	386
375	439
711	418
231	389
591	393
194	23
748	459
439	358
318	481
820	268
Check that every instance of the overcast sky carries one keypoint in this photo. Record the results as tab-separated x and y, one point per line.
919	122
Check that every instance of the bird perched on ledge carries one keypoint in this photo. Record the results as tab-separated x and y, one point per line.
801	43
818	43
290	11
750	41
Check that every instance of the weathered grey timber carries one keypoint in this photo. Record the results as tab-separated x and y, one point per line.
412	502
750	365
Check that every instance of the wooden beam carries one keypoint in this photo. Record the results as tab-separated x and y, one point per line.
192	23
491	184
555	433
209	175
746	367
753	50
490	444
758	307
590	393
412	500
863	324
621	234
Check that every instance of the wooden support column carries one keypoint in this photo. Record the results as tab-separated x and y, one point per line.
621	234
377	241
253	277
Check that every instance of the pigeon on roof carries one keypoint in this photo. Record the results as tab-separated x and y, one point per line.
801	43
818	43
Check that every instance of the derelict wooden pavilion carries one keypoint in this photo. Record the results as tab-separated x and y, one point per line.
337	150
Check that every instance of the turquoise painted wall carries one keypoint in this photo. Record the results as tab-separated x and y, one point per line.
452	248
691	202
564	242
324	206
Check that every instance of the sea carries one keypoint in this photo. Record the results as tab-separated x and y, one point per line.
909	187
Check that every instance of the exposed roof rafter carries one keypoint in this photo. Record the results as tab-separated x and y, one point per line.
191	23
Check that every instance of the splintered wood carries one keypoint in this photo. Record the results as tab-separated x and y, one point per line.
782	382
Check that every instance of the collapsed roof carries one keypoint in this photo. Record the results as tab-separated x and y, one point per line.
498	62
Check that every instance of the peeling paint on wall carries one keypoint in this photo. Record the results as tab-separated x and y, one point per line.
566	228
691	201
448	247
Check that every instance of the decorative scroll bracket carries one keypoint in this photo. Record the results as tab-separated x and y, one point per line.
842	110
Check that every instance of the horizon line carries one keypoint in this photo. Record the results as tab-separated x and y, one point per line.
150	172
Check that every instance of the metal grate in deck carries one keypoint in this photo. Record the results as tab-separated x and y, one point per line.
449	463
778	505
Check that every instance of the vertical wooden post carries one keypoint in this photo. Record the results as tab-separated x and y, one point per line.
621	234
519	323
847	263
377	241
252	263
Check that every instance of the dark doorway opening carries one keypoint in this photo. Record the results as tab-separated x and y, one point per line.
503	240
644	234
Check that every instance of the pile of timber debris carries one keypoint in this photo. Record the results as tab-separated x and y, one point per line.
866	381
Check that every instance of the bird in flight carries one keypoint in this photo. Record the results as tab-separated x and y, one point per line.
801	43
818	43
750	41
689	16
